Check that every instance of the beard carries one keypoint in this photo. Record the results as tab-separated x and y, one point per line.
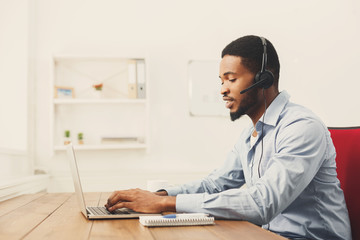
249	101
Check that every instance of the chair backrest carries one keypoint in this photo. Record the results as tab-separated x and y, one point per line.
347	144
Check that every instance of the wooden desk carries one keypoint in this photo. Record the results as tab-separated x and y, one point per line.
57	216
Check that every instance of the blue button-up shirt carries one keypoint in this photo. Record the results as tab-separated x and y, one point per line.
290	176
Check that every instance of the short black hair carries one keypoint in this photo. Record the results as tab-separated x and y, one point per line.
250	49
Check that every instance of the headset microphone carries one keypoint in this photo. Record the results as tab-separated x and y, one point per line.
263	79
261	82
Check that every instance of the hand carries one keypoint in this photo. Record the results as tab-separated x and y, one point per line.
140	201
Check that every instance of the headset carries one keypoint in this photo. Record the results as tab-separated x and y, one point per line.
263	79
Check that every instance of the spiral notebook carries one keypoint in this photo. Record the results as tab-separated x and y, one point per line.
177	220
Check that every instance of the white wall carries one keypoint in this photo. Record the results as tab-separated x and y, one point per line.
317	42
13	74
14	68
16	100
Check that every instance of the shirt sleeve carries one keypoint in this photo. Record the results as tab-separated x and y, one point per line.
300	150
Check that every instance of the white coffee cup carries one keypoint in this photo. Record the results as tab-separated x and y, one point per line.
154	185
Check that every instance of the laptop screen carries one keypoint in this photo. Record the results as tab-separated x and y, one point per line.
76	178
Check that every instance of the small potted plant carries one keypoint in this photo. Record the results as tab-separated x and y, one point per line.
98	90
98	87
80	138
67	138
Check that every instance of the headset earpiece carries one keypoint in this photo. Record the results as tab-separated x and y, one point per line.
264	79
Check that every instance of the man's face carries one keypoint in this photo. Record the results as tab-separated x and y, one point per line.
235	78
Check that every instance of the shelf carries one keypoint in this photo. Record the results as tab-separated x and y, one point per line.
101	101
121	108
104	146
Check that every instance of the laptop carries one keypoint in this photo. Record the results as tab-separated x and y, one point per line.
95	212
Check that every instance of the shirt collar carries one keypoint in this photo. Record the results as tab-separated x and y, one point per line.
273	112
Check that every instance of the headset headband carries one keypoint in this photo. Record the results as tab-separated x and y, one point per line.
264	58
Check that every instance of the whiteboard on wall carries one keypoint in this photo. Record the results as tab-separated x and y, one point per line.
205	98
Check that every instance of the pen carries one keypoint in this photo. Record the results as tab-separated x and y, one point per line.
186	215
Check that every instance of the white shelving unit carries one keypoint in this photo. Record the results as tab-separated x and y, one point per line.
118	119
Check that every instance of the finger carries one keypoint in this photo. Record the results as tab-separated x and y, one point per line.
126	195
123	196
114	207
110	198
120	205
114	198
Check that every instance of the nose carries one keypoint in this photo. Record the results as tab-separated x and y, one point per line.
224	89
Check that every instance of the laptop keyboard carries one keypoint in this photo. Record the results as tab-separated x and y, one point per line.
104	211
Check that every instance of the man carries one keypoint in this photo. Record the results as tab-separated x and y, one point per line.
281	173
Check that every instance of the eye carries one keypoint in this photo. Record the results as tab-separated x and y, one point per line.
232	80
